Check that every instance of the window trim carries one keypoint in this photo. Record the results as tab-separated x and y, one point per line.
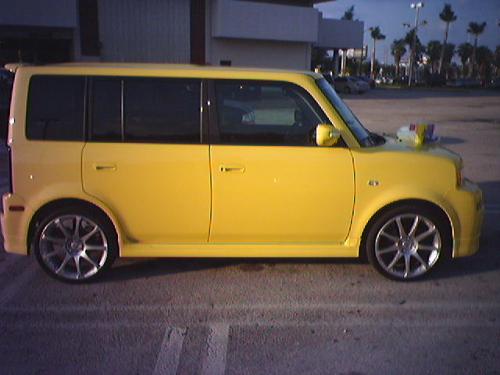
84	109
214	119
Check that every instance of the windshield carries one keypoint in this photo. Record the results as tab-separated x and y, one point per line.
364	137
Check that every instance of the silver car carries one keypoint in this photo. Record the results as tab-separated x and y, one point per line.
350	85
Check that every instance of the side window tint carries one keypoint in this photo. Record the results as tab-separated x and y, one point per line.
162	110
266	113
55	108
106	110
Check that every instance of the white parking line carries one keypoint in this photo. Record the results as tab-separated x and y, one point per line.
17	283
170	351
214	362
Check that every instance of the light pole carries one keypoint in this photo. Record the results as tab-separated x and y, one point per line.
416	6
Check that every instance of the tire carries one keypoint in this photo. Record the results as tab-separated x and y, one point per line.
75	244
408	242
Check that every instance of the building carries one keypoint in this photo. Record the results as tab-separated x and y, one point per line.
262	33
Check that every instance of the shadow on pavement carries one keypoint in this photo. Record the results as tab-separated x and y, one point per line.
451	141
145	268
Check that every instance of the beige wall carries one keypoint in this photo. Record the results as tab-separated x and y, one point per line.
146	30
268	54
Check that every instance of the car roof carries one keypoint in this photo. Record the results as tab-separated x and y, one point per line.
151	68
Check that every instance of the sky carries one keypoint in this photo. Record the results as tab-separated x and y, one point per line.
391	14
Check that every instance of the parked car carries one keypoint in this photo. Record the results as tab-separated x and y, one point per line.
350	85
371	82
363	85
495	83
138	160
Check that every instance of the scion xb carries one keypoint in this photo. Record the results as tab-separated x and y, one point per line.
138	160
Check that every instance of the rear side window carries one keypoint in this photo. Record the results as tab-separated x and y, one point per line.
55	108
146	110
106	110
162	110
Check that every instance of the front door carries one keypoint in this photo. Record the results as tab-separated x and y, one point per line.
270	182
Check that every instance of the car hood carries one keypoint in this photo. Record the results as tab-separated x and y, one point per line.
434	149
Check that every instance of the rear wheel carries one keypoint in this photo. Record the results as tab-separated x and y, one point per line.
75	244
407	242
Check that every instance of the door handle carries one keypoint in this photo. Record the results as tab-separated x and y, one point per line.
232	168
105	167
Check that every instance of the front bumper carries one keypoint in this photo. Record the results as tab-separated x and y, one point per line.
468	205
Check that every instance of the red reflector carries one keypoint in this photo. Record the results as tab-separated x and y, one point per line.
16	208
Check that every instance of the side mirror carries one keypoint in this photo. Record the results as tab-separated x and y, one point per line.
326	135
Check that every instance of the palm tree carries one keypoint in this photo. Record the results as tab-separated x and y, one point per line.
475	29
434	49
485	59
464	50
448	16
376	34
496	61
348	14
398	50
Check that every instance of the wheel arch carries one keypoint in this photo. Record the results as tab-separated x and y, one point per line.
416	202
50	206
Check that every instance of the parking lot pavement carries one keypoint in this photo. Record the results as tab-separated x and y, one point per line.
174	316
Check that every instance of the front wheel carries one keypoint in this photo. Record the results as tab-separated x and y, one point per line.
407	242
75	244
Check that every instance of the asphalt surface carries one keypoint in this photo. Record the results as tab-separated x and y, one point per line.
175	316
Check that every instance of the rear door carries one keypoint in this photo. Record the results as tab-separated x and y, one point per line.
145	159
271	183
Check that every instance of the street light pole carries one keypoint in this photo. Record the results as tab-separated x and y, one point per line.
416	6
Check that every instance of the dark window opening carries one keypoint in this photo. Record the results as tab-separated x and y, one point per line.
106	110
55	108
162	110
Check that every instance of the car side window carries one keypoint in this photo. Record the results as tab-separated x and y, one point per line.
146	110
55	108
266	113
162	110
106	110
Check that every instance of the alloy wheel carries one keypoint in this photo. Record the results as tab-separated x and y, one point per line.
73	247
408	246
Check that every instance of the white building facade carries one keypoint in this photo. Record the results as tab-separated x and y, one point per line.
278	34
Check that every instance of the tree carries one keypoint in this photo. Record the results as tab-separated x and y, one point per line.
398	50
484	57
449	52
375	34
348	14
448	16
464	50
419	48
475	29
496	61
319	58
434	48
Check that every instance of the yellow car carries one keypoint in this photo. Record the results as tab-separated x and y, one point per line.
138	160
